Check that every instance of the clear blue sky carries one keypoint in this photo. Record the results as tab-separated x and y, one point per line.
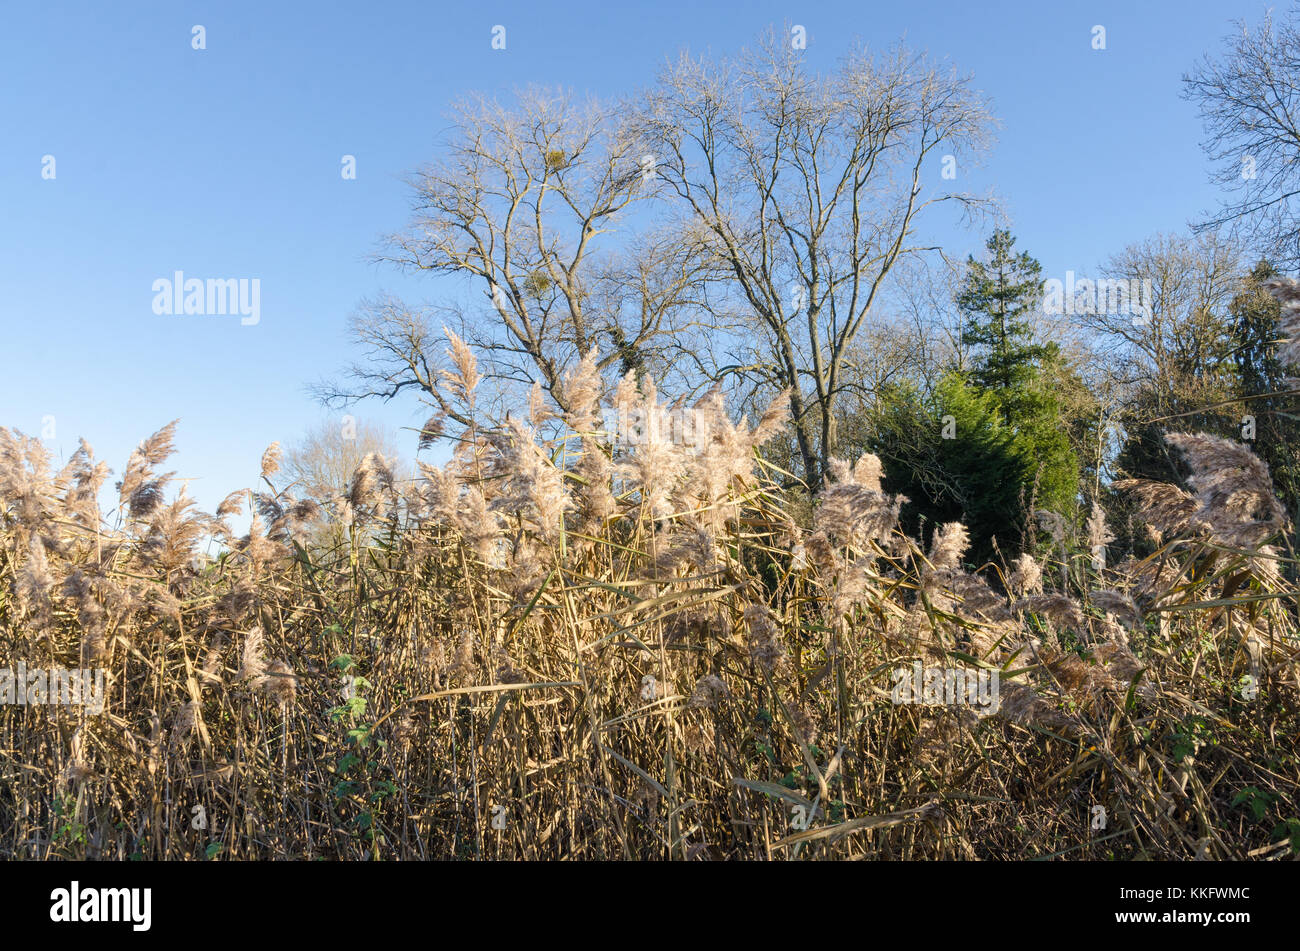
225	163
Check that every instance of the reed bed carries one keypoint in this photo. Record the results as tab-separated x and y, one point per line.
557	647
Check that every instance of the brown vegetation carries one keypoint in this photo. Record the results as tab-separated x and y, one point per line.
547	649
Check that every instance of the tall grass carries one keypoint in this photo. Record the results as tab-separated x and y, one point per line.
552	649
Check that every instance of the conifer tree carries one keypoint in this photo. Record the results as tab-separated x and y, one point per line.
1017	371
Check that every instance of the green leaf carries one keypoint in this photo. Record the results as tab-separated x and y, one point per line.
1289	828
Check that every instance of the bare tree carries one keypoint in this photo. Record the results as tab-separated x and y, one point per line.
1174	358
320	466
924	298
1249	101
534	205
806	192
1181	350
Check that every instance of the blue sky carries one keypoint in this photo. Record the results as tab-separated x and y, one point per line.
225	162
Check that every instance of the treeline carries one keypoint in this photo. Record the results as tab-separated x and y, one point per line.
1019	424
749	224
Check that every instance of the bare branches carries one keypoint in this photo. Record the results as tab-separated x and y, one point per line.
526	204
740	220
1249	102
1182	342
806	191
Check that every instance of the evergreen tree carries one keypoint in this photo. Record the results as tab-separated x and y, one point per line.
1021	374
996	302
956	460
1267	420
